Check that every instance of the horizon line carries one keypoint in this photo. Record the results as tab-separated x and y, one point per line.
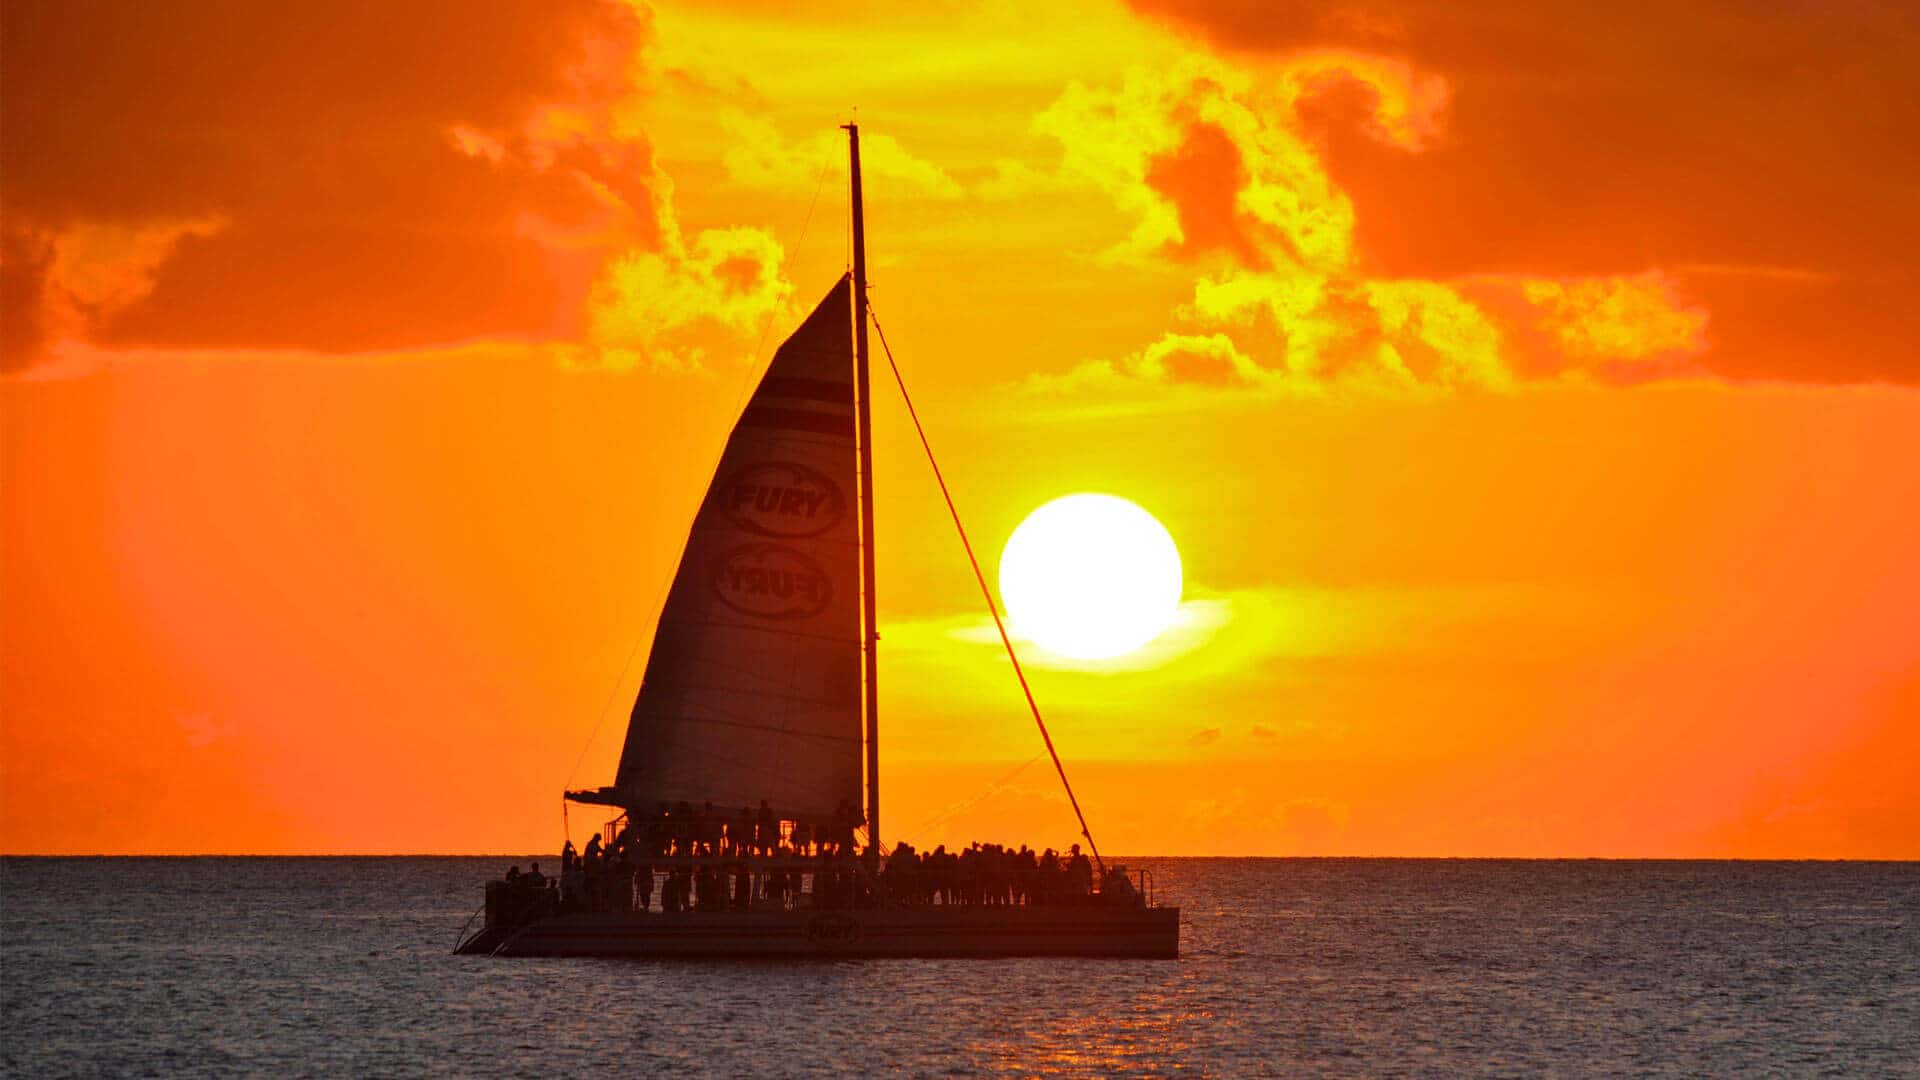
1111	858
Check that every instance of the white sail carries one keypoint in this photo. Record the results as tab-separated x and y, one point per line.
752	690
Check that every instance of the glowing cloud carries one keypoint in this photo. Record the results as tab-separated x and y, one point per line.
1618	322
1216	165
757	156
656	308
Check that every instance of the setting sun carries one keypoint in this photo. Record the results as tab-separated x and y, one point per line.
1090	577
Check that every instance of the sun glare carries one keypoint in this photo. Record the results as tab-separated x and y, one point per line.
1090	577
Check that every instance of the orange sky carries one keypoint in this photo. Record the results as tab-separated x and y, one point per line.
1530	391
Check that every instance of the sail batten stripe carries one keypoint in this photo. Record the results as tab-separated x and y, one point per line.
783	695
763	416
833	393
750	726
761	628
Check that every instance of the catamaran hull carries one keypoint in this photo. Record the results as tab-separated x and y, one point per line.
921	932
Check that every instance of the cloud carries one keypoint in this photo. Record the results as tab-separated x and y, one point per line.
1618	320
1203	360
318	137
758	156
1219	167
25	257
90	272
1404	108
1232	819
1192	153
1687	140
246	176
658	308
1012	178
1214	159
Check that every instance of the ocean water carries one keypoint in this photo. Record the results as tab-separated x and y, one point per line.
1340	967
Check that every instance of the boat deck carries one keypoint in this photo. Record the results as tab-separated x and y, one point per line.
941	931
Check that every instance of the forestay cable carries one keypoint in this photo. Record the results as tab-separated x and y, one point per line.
992	608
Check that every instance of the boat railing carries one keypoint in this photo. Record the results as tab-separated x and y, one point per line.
610	832
1143	883
509	906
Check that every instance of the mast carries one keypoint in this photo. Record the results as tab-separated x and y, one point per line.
863	400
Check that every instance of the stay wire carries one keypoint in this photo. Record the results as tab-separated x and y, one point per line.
964	805
979	576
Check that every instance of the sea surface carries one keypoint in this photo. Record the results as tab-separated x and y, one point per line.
1302	967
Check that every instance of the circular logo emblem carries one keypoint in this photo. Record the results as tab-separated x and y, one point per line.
784	499
771	582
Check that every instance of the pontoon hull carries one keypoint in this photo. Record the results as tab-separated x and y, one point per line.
911	932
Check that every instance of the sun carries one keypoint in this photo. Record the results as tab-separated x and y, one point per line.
1090	577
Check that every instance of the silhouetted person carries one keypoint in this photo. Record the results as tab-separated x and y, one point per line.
1024	866
660	833
740	833
941	864
643	888
841	838
1079	875
766	830
678	891
621	885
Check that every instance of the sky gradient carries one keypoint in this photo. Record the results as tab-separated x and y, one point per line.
1530	391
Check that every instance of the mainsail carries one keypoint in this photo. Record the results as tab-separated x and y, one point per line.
752	690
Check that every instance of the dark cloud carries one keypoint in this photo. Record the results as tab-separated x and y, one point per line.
1763	154
319	137
1202	177
24	258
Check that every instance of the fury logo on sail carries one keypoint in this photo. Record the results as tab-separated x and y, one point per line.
771	582
778	498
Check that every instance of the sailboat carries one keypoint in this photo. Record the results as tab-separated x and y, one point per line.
761	693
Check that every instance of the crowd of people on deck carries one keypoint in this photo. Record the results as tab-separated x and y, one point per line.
702	860
994	876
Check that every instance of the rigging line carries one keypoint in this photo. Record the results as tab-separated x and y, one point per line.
819	184
992	608
626	665
748	725
964	805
